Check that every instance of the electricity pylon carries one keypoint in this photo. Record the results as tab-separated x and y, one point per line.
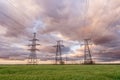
32	59
87	52
58	56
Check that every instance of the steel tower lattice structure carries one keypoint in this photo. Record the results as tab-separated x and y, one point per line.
32	59
87	52
58	56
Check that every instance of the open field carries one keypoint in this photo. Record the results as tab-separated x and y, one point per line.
60	72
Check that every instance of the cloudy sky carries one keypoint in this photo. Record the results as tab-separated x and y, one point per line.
69	20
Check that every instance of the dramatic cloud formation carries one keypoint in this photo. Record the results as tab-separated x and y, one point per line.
69	20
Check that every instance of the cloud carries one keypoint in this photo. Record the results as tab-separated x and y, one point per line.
17	16
70	20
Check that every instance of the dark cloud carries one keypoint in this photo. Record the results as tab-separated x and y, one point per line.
104	39
108	56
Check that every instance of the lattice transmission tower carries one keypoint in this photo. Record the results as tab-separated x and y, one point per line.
87	52
58	56
32	59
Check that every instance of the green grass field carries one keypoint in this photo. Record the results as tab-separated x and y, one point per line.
60	72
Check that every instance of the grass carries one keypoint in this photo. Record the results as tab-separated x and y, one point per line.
60	72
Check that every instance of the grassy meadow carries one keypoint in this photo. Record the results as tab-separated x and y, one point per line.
59	72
